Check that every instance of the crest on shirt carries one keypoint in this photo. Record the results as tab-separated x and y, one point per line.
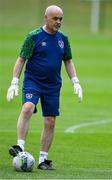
29	95
61	44
43	43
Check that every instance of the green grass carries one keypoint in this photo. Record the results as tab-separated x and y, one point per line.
86	153
83	156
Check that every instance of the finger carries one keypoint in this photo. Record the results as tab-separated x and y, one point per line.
75	90
8	97
16	92
80	95
12	94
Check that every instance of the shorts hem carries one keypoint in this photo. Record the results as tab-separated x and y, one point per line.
51	115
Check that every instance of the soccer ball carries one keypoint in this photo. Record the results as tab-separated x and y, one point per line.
23	162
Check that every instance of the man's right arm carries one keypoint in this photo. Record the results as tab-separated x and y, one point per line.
13	89
26	52
18	67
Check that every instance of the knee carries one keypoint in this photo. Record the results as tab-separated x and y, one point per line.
28	109
50	122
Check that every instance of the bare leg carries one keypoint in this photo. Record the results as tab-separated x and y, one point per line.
22	128
23	120
47	133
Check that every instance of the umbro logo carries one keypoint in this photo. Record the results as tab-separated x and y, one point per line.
43	43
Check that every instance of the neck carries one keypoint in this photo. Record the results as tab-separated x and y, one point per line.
49	31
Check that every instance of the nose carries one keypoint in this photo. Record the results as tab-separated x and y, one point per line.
58	21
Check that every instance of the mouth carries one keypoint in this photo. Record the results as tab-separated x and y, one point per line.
57	26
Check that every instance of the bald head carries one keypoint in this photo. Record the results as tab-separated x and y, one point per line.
53	19
53	9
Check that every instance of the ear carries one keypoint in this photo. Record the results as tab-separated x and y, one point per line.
45	17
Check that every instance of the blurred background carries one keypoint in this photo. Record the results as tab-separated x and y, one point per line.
77	14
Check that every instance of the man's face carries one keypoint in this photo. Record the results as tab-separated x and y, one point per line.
54	21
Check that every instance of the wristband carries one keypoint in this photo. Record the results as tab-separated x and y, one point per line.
74	80
15	81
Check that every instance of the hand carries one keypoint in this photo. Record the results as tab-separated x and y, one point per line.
77	88
78	91
13	89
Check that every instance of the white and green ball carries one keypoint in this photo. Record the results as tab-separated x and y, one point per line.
24	162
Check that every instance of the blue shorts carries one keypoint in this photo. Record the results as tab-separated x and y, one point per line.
49	103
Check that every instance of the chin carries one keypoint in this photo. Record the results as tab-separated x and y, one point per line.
56	29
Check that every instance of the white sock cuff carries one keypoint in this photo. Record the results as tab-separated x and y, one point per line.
44	153
21	143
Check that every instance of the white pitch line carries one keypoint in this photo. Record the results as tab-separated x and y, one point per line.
72	129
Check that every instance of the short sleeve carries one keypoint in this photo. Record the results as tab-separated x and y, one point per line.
68	53
27	47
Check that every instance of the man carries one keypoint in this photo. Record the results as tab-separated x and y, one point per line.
43	51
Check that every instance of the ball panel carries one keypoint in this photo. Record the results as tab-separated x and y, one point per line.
24	162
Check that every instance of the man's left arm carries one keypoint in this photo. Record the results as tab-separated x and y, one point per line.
70	68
